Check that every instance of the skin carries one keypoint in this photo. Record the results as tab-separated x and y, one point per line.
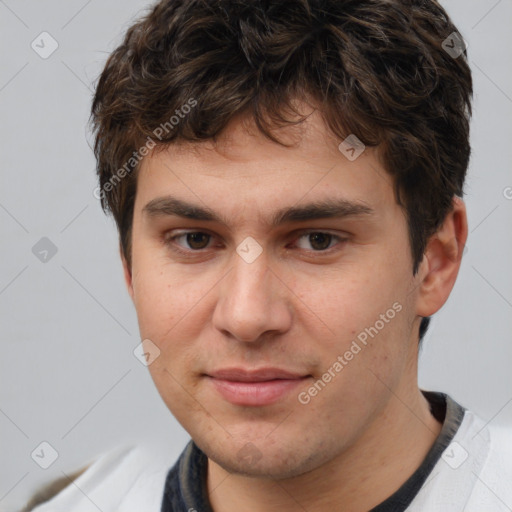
294	307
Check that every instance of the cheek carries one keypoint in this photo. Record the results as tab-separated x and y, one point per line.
157	307
361	314
173	308
344	300
162	295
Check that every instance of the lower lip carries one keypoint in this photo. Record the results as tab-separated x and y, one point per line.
255	393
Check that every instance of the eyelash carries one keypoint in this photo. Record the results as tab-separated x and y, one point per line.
171	244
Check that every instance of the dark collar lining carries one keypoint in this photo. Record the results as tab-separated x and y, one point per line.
449	412
185	486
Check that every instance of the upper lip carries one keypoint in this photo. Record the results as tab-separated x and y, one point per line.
256	375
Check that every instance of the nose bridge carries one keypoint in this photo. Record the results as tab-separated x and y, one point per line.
249	303
250	278
249	284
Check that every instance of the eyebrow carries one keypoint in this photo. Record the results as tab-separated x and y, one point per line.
328	208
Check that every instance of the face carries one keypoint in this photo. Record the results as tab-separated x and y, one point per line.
276	284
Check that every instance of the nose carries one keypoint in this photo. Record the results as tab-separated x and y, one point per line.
252	301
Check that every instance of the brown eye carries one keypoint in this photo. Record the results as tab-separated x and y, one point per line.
188	242
320	241
316	240
197	240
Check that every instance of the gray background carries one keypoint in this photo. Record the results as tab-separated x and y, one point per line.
68	373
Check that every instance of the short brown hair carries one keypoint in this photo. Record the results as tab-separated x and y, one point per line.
373	68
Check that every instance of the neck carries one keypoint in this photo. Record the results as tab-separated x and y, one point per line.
357	480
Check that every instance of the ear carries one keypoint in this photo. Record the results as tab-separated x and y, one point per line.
127	272
441	261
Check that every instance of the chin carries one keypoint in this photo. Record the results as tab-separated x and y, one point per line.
268	461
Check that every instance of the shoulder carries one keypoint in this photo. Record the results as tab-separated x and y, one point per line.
474	472
120	480
49	491
493	482
497	472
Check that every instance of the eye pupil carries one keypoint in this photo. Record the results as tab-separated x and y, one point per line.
195	240
320	241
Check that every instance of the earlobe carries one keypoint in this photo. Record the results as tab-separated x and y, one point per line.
127	272
441	262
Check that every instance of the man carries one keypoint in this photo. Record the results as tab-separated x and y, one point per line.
286	179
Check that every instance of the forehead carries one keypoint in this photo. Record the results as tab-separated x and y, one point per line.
243	169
